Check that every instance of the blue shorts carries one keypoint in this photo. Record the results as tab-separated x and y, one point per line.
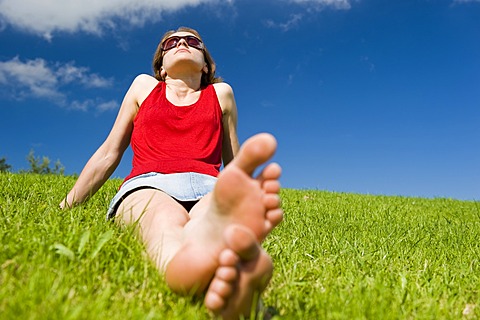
184	187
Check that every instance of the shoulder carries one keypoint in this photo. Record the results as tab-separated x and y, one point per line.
141	87
223	89
144	80
225	97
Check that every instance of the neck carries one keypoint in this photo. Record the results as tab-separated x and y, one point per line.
184	84
182	91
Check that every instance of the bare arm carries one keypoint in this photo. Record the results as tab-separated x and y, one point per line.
226	98
107	157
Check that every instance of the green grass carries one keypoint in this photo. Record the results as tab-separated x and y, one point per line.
337	256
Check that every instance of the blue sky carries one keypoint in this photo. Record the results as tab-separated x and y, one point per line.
364	96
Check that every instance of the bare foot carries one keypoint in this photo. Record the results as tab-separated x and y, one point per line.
254	203
238	199
244	272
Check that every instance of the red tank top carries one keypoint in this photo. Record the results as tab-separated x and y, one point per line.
171	139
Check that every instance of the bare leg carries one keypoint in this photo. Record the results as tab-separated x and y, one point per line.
219	243
250	206
159	221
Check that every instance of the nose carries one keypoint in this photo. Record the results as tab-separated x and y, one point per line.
182	41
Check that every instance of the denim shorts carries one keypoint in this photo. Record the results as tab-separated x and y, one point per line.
187	186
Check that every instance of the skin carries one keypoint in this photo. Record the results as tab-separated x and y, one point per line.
183	88
215	249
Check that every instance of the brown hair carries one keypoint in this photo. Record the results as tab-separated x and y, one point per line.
207	78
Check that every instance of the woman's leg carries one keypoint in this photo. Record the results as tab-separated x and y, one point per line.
217	250
159	219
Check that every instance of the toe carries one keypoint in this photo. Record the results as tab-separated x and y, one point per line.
271	201
256	151
214	302
242	241
271	186
229	274
222	288
272	171
228	257
274	217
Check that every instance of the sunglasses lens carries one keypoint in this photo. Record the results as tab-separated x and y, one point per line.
170	43
194	42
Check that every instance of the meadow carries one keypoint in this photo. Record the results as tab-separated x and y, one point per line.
336	255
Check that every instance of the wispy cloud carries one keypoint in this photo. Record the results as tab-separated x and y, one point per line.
465	1
285	26
311	6
93	104
38	78
91	16
366	61
68	72
337	4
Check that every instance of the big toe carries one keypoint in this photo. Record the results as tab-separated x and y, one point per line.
256	151
242	241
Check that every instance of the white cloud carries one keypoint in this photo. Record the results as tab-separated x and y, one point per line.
465	1
285	26
34	77
39	79
81	105
313	6
107	106
90	104
92	16
95	16
69	72
337	4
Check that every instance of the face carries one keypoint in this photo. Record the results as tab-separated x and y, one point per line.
183	49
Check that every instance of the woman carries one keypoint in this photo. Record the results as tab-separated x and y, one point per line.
202	228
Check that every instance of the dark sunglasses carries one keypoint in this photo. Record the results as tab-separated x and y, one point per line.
172	42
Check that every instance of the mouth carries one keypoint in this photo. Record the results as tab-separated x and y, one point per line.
182	50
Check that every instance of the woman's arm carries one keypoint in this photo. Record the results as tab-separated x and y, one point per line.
107	157
226	98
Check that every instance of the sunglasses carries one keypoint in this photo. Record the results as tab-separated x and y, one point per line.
192	41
